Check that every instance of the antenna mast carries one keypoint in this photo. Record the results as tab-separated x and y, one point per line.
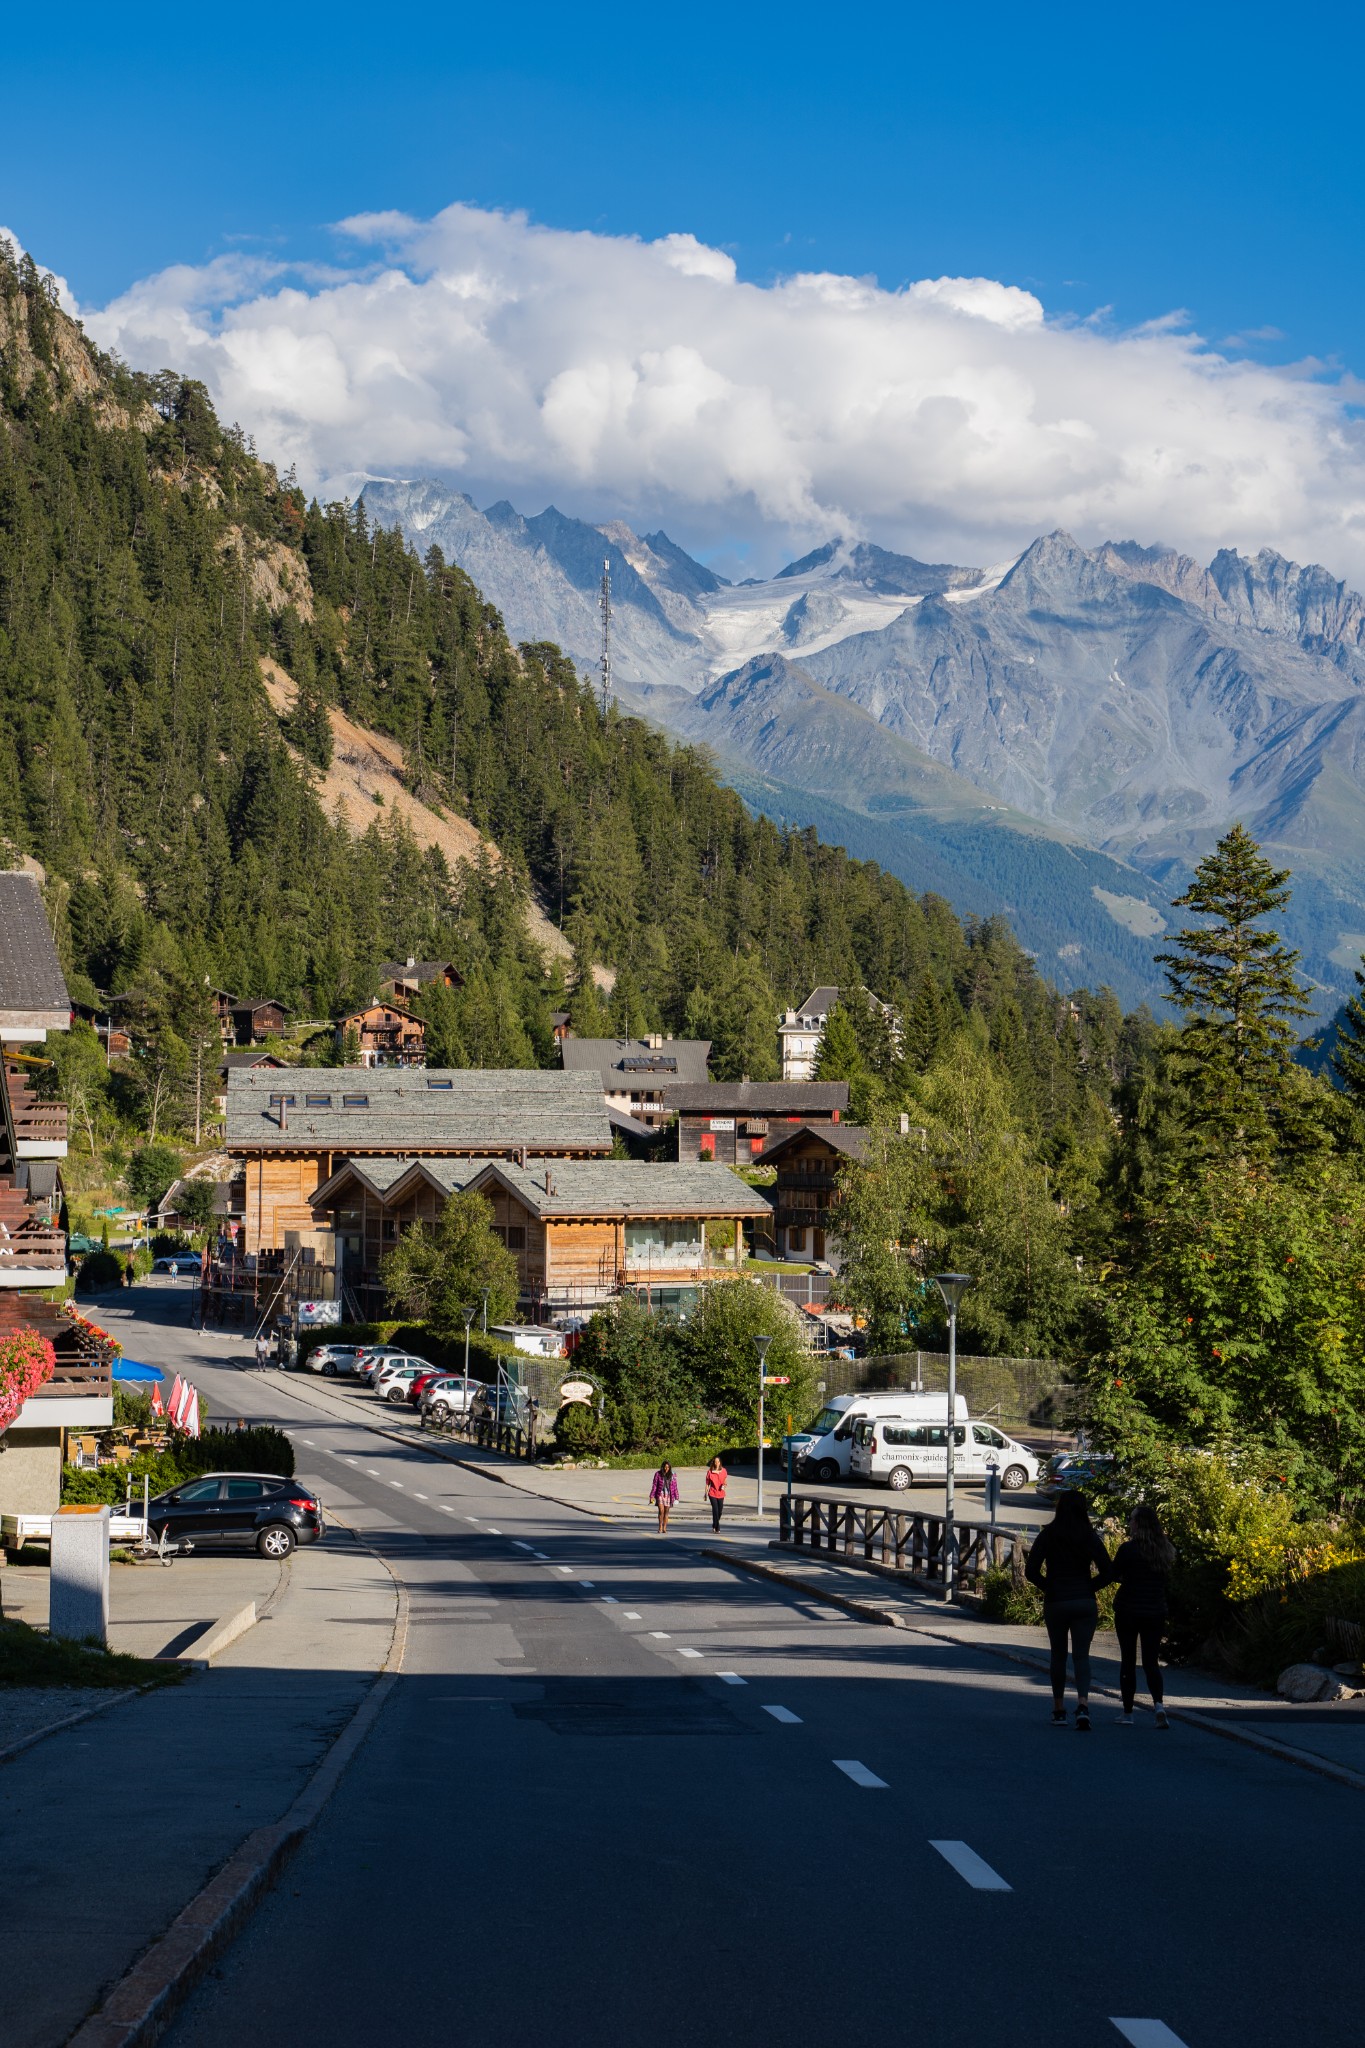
605	663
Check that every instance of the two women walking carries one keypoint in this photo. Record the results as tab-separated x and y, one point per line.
663	1493
1070	1564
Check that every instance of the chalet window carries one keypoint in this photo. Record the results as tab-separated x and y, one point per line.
440	1084
355	1101
659	1240
283	1101
388	1229
513	1235
317	1102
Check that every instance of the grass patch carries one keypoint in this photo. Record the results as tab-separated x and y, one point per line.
28	1658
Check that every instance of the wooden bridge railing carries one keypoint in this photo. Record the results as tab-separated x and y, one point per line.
906	1538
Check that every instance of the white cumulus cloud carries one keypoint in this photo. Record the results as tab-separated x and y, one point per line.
622	377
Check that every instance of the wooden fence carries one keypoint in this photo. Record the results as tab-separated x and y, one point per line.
905	1538
512	1438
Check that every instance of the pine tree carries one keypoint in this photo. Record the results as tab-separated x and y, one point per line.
1348	1052
1235	983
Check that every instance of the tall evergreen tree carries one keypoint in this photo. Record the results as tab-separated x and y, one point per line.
1348	1052
1234	982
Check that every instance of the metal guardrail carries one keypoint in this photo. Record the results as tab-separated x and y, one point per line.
905	1538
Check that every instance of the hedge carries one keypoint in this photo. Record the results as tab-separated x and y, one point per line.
262	1449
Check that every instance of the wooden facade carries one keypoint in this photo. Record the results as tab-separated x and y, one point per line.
806	1197
389	1035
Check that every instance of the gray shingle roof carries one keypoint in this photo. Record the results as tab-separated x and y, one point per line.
818	1003
633	1187
33	993
850	1139
758	1098
626	1063
407	1110
420	971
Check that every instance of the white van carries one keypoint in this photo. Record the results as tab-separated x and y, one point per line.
827	1453
898	1451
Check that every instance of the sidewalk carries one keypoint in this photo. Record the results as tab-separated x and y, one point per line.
111	1825
1332	1735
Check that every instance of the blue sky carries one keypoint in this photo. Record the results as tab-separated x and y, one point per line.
184	171
1205	158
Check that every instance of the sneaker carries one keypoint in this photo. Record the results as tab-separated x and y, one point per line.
1059	1717
1083	1720
1125	1720
1161	1720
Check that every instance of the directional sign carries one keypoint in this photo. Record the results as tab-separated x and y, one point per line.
777	1379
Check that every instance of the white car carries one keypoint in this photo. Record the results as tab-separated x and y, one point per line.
396	1375
453	1395
900	1451
331	1359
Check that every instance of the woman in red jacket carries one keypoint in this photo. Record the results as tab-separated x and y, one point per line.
716	1477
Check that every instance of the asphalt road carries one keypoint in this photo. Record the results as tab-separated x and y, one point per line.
620	1791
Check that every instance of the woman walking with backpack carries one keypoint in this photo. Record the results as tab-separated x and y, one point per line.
663	1493
1142	1567
1068	1563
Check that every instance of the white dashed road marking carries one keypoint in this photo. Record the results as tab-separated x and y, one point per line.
689	1653
630	1614
973	1868
731	1678
610	1600
660	1635
587	1585
520	1545
785	1716
860	1774
422	1496
1147	2034
491	1530
567	1570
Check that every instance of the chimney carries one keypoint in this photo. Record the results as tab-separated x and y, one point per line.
284	1114
521	1155
411	961
549	1182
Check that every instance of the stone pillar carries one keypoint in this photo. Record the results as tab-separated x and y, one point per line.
79	1593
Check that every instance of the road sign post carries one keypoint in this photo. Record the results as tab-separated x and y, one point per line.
761	1343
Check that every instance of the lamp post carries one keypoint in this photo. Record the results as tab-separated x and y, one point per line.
761	1344
468	1319
952	1286
484	1292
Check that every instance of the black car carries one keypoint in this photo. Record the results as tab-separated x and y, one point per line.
256	1508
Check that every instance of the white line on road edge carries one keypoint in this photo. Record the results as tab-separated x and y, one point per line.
785	1716
660	1635
973	1868
731	1678
444	1509
471	1518
631	1614
1147	2034
309	1441
374	1474
689	1653
491	1530
860	1774
418	1496
398	1483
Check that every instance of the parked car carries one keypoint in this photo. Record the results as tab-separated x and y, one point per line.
331	1359
501	1404
1068	1471
374	1358
901	1453
417	1387
254	1508
448	1396
396	1375
178	1263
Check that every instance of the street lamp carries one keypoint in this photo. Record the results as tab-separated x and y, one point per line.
469	1314
761	1344
952	1286
484	1292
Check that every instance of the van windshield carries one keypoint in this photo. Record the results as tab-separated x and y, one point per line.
826	1420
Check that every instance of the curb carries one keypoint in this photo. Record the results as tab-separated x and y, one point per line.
1303	1759
115	1699
140	2006
220	1635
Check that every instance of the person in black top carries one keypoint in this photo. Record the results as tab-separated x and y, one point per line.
1065	1558
1142	1567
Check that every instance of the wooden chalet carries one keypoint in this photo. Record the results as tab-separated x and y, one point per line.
388	1034
805	1199
636	1071
409	977
252	1022
288	1131
735	1121
581	1229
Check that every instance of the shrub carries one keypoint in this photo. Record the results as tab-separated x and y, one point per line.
168	1244
98	1271
262	1449
578	1430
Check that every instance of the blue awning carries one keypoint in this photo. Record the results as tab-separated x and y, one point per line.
129	1369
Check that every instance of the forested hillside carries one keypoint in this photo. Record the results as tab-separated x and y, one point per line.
149	560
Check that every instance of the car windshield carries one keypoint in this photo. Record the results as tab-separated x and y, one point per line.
826	1420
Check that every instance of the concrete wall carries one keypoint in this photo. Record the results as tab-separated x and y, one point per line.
30	1472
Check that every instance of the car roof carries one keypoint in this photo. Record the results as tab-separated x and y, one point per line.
275	1478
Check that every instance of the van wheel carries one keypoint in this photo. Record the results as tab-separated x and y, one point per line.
1013	1477
898	1479
827	1471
